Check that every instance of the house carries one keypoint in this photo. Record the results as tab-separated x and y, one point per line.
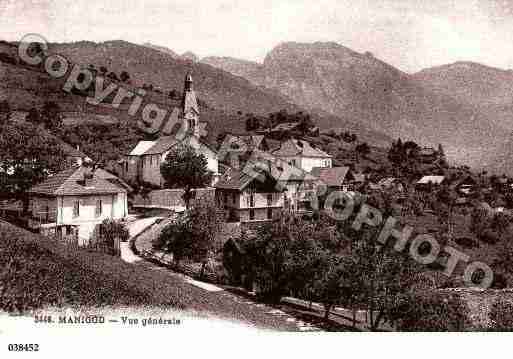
334	178
391	184
286	127
356	182
300	187
148	162
465	186
73	202
247	198
237	149
428	155
428	182
142	164
303	155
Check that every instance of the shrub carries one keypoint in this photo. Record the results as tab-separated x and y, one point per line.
501	316
111	229
430	311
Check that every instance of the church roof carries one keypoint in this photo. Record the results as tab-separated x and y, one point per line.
142	147
164	143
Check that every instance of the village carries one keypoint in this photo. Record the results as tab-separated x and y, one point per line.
208	210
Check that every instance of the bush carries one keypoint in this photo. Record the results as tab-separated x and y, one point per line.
501	316
111	229
429	311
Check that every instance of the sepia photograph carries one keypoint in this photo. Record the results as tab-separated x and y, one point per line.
302	177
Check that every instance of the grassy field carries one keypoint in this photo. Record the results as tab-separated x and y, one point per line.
37	273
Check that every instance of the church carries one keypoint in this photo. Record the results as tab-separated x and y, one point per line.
142	164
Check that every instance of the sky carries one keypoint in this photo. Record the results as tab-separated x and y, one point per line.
408	34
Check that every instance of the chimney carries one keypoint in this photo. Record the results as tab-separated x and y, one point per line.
88	178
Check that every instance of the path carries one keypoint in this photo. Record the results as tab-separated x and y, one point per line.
211	298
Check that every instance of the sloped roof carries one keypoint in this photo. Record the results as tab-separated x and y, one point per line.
161	145
254	141
283	171
295	147
287	126
164	143
141	148
113	179
432	179
331	176
427	151
387	182
233	179
69	182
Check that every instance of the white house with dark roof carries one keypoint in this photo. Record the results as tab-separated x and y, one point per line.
302	154
142	164
73	202
247	198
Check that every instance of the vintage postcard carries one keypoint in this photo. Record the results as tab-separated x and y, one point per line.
228	174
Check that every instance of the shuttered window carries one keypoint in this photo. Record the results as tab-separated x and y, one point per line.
76	209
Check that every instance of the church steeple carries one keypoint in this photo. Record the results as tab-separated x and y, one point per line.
188	83
190	108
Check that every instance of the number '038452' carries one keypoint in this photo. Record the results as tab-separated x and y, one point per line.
23	347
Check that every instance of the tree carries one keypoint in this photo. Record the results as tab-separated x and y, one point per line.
184	168
501	316
193	234
34	116
113	76
5	107
434	312
26	158
441	157
111	229
362	149
252	122
124	76
267	259
50	115
334	282
383	274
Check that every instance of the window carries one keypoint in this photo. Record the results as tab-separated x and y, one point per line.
98	210
251	214
252	200
76	209
151	160
234	198
270	199
269	213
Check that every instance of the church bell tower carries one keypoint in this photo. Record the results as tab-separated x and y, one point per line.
190	109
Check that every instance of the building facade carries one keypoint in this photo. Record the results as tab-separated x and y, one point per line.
249	199
303	155
142	164
74	202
